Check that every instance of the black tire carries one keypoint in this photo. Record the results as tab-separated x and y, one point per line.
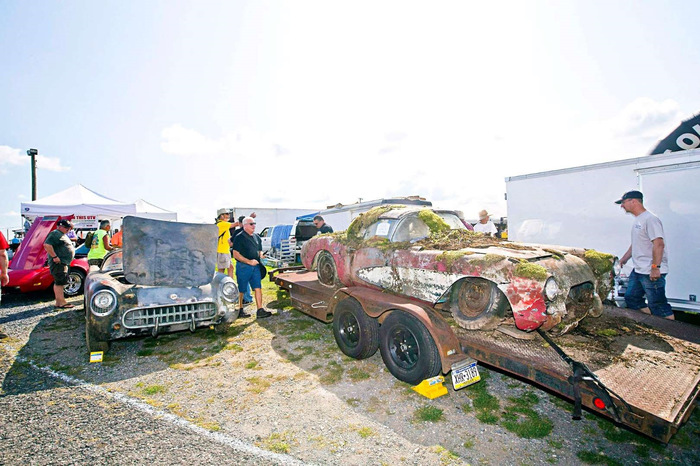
356	333
93	343
326	269
477	304
76	283
408	349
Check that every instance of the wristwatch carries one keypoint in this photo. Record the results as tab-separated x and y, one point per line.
654	266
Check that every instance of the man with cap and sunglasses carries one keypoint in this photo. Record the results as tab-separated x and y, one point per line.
649	259
61	252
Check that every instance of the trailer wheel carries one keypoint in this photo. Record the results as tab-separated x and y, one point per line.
477	304
326	270
94	344
76	282
407	348
356	333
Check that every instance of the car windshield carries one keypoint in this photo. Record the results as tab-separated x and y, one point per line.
412	228
112	262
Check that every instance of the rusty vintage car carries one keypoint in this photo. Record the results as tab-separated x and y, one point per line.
163	280
428	255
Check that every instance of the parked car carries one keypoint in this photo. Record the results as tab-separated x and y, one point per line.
163	280
28	269
429	255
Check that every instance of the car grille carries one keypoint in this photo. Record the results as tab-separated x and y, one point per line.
146	317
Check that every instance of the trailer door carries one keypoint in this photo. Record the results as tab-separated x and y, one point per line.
672	192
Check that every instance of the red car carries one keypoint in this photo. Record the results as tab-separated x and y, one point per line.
28	270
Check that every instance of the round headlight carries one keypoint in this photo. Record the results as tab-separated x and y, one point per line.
103	302
551	289
229	290
617	268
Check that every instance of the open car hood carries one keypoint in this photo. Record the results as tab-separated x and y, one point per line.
160	253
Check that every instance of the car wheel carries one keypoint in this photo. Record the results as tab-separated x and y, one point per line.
326	270
94	344
407	348
477	304
76	282
356	333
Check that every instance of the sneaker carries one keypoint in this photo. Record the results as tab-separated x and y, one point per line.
262	313
242	314
246	302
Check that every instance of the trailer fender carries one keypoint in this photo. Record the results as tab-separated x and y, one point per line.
378	305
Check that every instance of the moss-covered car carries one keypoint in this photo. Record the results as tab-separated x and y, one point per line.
429	255
163	280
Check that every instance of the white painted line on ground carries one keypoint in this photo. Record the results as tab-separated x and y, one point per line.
236	444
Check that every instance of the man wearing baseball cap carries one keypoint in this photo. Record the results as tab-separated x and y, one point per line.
649	259
61	252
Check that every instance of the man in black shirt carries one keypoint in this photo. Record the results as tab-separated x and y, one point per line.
321	225
247	250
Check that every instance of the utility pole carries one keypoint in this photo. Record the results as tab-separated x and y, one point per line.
33	153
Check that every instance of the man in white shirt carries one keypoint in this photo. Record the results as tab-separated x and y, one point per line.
485	225
649	259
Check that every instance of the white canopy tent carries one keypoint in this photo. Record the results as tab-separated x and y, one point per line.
83	202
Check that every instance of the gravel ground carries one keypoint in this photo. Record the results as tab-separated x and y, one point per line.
277	391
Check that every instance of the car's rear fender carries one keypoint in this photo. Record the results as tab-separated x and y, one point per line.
379	305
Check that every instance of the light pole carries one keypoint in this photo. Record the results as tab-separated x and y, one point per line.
33	153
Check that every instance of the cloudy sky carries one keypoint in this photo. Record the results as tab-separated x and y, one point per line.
195	105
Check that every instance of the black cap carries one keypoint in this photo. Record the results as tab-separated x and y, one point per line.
630	195
64	223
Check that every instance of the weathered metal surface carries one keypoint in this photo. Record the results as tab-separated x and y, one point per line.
160	253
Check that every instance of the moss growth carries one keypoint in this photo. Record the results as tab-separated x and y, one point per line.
529	270
558	255
487	260
428	414
434	222
362	221
450	257
600	262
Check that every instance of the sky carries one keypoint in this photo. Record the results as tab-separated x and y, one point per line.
197	105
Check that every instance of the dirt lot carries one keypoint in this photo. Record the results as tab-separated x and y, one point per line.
283	385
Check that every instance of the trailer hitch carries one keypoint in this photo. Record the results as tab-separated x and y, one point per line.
581	373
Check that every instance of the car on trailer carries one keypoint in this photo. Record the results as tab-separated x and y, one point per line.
164	279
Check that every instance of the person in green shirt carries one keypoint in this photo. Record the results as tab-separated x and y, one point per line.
61	252
100	244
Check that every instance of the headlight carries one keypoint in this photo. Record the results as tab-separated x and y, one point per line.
103	302
617	268
551	289
229	290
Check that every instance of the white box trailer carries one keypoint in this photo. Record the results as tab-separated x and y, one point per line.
575	207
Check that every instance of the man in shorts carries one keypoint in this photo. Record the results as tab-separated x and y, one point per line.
247	250
61	252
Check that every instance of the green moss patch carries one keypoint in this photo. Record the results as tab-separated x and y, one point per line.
434	222
600	262
526	269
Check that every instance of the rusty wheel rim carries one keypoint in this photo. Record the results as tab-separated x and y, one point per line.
474	298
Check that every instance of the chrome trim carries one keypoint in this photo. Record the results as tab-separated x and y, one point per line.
168	314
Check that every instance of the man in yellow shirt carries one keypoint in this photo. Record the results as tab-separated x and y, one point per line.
223	253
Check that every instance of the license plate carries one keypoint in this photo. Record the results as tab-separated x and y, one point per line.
464	373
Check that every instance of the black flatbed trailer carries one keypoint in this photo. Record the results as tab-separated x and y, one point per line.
638	370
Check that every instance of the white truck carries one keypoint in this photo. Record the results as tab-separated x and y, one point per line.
575	207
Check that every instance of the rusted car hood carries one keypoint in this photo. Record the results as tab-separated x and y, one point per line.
161	253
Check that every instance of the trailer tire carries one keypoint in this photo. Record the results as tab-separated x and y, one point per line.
408	349
356	333
477	304
326	269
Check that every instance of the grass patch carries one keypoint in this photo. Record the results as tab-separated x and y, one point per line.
258	384
154	390
354	402
333	373
251	365
355	374
485	404
278	442
365	432
428	414
307	336
591	457
522	420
